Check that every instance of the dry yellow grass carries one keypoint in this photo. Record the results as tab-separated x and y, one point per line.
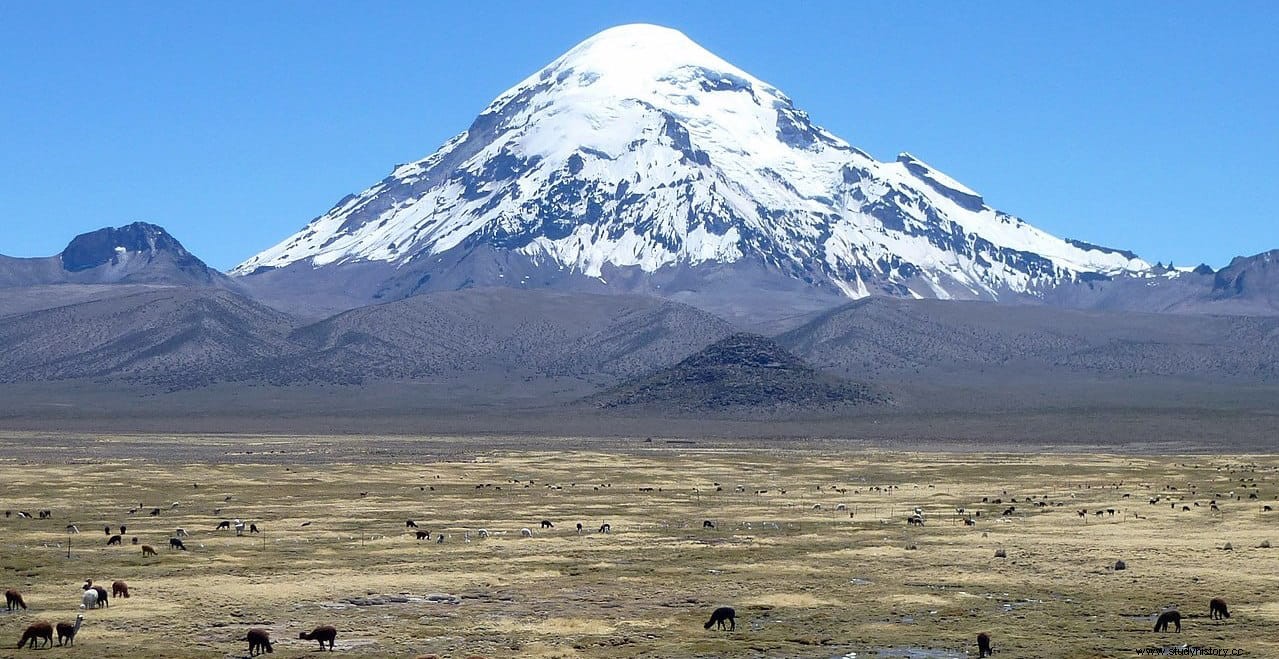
805	582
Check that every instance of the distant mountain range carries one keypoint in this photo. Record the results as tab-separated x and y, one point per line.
612	224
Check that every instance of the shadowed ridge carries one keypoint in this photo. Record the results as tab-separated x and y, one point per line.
742	371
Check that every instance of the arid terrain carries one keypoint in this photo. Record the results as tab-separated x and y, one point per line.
811	546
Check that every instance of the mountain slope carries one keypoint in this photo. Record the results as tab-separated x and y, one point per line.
137	253
883	340
640	162
179	337
513	334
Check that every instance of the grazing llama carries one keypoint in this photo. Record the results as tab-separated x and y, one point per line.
1173	617
323	634
259	641
36	632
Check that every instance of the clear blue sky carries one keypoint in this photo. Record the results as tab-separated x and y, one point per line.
1151	126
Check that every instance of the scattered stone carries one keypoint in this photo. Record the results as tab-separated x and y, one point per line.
376	600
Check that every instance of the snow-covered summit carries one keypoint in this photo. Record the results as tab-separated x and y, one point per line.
639	152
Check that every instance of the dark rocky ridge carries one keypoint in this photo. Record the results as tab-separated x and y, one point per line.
743	373
138	253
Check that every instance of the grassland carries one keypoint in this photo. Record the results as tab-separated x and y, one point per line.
806	582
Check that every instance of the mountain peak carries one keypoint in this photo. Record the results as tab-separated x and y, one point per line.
637	53
110	244
137	253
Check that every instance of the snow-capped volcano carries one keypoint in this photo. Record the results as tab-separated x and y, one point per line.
638	160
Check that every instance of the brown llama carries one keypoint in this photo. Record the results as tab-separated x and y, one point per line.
119	589
983	645
259	640
720	615
1173	617
13	600
148	550
1217	609
323	634
67	631
35	632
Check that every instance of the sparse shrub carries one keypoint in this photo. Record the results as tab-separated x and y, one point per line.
1120	565
999	553
1265	544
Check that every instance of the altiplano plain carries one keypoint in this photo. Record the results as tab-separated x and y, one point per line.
812	548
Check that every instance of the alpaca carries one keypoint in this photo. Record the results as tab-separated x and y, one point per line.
322	634
1217	609
546	524
67	631
175	543
181	532
119	589
528	533
915	520
579	528
484	533
718	616
410	524
423	535
13	600
1174	617
224	524
983	645
35	632
259	640
123	529
72	528
239	527
103	596
253	528
106	530
114	540
90	599
148	550
606	528
707	524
